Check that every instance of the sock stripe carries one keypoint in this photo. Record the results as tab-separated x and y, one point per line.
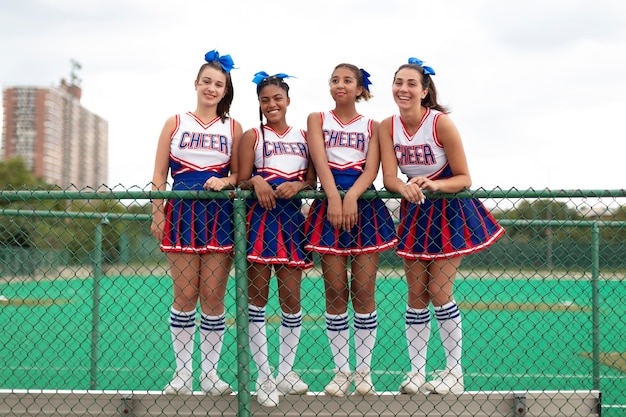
447	313
365	321
417	316
291	321
337	323
256	314
213	323
182	320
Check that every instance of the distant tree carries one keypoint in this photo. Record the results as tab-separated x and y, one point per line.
15	175
615	235
541	209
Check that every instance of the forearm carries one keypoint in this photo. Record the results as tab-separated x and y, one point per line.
231	181
453	184
393	184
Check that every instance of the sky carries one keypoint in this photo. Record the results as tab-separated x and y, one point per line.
536	88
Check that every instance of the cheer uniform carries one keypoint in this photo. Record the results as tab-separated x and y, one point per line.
277	236
199	151
438	228
346	149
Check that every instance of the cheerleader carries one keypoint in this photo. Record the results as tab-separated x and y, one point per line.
198	148
348	232
274	162
434	233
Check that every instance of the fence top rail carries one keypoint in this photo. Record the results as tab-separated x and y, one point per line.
25	195
105	217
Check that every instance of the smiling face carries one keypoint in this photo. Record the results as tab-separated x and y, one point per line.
273	101
407	89
344	85
210	86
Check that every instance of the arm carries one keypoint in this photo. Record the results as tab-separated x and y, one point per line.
262	189
411	191
367	177
317	151
450	138
159	176
310	181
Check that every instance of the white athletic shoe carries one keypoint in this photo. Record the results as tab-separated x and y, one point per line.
212	384
339	386
363	384
412	383
267	393
445	382
291	384
182	383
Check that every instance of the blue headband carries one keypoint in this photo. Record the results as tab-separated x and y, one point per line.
225	61
366	79
427	70
262	75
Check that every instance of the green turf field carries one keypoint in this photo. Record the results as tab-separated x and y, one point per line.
518	334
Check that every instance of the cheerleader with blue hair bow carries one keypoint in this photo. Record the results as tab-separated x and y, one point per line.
435	234
274	162
347	231
199	150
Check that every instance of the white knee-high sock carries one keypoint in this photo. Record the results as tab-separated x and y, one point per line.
183	328
338	332
290	329
258	340
212	330
417	325
449	321
365	329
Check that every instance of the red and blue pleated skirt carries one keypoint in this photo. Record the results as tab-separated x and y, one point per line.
277	236
373	232
445	228
195	225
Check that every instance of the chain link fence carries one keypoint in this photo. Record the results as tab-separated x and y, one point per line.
85	299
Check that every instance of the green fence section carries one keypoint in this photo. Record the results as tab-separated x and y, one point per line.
85	297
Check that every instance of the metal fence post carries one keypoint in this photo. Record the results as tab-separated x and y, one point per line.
95	307
241	278
595	301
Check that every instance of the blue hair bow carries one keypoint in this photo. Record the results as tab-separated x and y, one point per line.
366	79
261	75
427	70
225	61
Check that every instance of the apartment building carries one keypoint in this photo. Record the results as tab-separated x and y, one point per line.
59	140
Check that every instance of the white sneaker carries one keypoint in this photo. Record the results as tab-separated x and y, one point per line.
339	386
291	384
445	382
267	393
182	383
212	384
363	383
412	383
